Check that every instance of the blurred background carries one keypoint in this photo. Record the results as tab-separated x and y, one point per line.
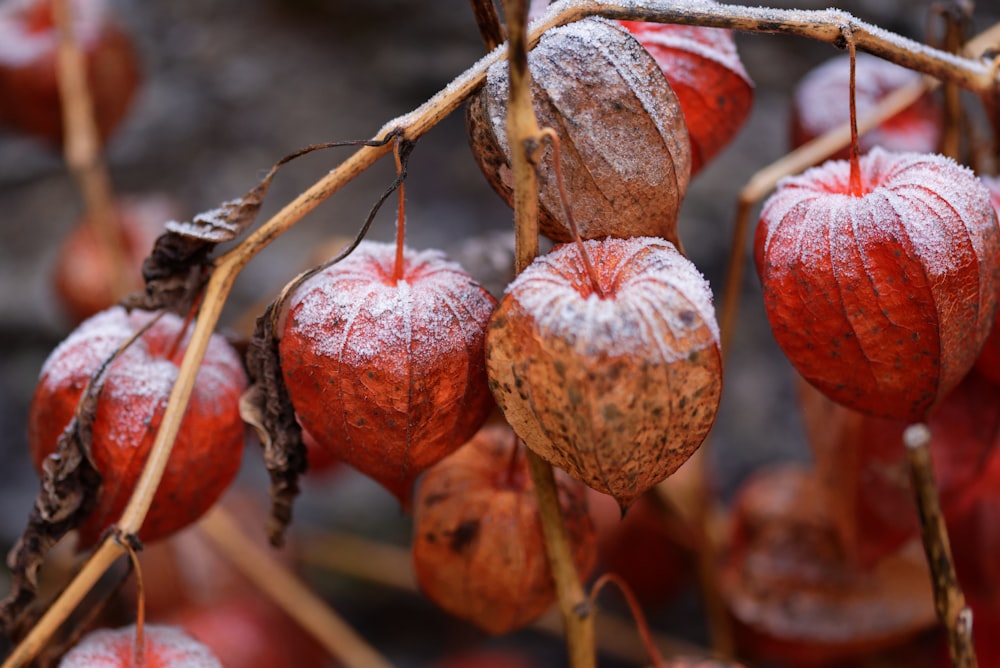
230	86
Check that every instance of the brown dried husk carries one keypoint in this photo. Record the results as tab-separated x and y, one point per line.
792	589
617	391
478	548
624	148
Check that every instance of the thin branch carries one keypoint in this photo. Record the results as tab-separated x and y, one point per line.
488	20
82	146
524	137
824	26
949	601
289	592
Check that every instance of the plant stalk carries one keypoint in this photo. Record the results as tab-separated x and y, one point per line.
524	137
488	20
82	147
949	601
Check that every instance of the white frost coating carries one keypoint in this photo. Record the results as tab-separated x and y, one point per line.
211	225
112	648
19	47
929	195
654	297
352	312
141	377
715	45
658	107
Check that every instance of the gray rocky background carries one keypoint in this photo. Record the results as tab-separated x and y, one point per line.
232	85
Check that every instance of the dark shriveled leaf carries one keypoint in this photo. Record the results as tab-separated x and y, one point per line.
69	487
69	492
267	408
179	264
266	405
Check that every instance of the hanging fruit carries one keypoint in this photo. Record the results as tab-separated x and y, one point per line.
616	383
132	398
163	647
705	72
625	157
792	590
29	89
882	291
478	548
83	277
988	363
384	364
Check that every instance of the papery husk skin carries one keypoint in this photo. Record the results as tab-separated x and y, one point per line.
881	300
133	398
619	391
704	69
624	148
478	547
388	375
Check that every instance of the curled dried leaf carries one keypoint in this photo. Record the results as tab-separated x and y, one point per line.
179	264
267	408
70	485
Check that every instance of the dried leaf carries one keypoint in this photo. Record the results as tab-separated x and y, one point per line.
69	488
179	264
267	407
175	272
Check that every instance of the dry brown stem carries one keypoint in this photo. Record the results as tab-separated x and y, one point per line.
525	137
289	592
949	601
825	26
488	20
82	147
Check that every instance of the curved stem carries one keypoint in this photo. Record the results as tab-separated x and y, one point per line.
139	651
574	229
634	607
